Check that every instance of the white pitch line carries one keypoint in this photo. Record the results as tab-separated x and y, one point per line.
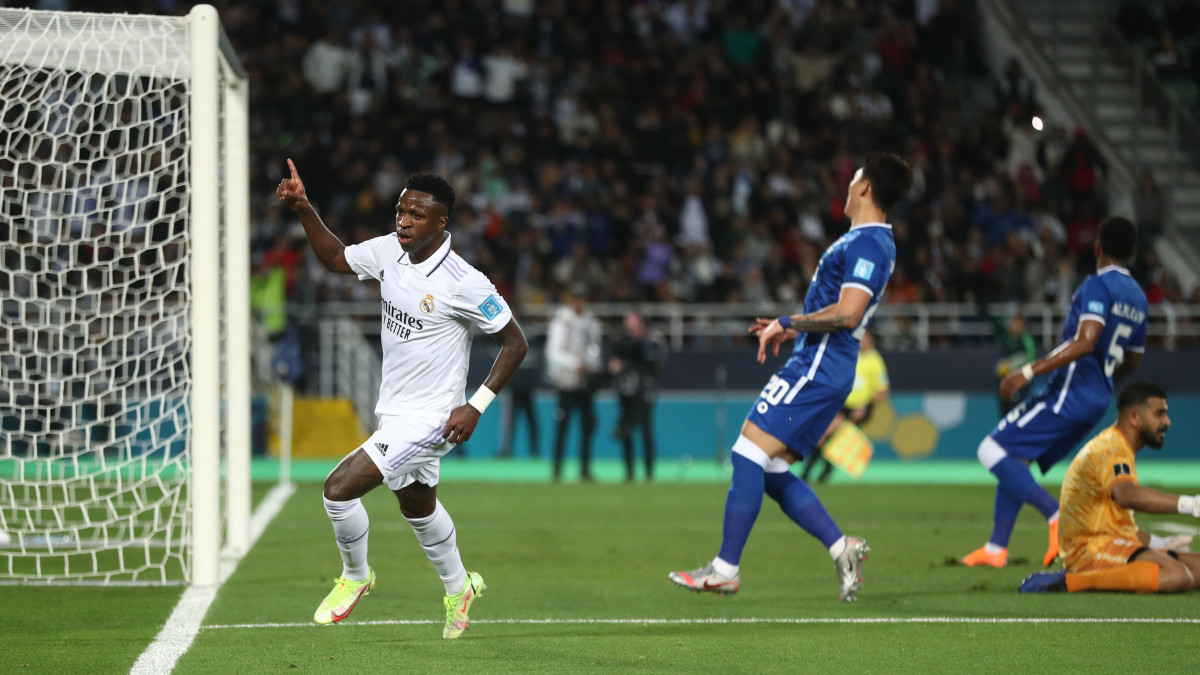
1177	528
185	621
812	620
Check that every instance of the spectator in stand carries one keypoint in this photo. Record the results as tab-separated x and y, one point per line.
1083	168
1150	210
504	71
367	71
581	270
285	254
1082	233
627	126
1015	88
901	288
1167	60
327	62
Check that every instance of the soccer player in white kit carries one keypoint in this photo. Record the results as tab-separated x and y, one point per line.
431	298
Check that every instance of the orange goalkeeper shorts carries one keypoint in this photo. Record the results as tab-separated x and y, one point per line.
1103	553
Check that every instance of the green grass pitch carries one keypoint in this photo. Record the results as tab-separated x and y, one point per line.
576	578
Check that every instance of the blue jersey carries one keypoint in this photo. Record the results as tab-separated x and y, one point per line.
863	258
1082	390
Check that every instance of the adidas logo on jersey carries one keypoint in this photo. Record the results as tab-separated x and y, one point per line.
382	447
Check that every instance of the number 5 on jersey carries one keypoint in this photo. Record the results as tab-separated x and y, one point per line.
1116	349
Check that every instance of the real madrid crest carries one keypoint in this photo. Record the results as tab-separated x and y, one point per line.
427	304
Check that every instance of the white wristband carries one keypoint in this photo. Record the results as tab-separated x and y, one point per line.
1027	372
482	399
1187	506
1157	542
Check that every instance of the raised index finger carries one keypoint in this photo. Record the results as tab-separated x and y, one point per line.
295	174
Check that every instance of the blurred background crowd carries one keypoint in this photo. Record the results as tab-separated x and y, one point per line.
667	150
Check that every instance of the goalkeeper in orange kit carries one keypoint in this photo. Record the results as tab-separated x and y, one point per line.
1102	547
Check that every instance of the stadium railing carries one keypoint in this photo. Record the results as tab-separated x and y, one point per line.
910	326
350	366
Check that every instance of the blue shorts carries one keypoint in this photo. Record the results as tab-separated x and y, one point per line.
1033	431
796	410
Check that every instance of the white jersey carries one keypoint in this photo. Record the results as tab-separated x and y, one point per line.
428	309
573	340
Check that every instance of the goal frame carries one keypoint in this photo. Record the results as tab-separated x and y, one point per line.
218	279
217	73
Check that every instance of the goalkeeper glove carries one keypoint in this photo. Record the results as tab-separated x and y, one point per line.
1176	543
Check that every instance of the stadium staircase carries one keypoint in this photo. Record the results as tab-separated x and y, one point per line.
1138	121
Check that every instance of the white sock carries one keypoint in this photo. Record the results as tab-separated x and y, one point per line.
437	537
992	549
350	527
838	548
724	569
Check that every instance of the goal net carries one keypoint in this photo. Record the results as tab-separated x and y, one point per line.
123	297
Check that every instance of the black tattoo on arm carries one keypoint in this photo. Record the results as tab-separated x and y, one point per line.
828	320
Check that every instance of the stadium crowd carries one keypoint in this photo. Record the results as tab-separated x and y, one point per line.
667	150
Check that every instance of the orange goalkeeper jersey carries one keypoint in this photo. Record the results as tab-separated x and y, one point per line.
1088	515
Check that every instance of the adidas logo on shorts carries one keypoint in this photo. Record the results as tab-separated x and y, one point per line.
382	447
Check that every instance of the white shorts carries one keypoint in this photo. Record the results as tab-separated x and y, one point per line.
407	449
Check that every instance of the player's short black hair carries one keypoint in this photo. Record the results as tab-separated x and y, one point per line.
434	185
1118	238
1137	393
890	177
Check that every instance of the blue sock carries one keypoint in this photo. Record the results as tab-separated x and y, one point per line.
1004	518
801	504
1042	501
741	508
1017	481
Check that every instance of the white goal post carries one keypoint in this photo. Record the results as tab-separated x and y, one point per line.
124	298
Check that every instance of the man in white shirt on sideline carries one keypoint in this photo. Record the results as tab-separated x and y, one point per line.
572	359
431	298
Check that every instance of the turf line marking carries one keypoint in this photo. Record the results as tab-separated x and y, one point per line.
812	620
1177	528
184	623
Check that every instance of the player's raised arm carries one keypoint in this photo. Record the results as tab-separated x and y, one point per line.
513	347
1082	344
329	249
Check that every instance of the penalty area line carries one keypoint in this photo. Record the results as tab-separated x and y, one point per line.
185	621
749	620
